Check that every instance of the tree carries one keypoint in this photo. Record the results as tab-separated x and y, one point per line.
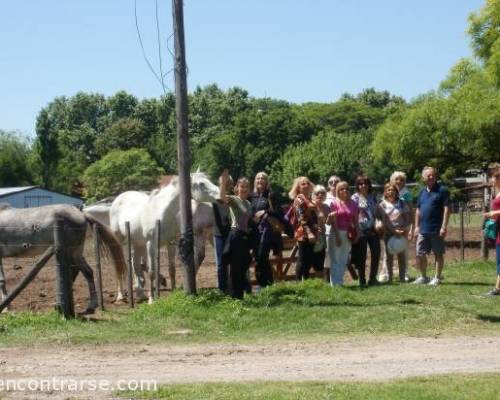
124	134
14	160
119	171
484	31
454	133
325	154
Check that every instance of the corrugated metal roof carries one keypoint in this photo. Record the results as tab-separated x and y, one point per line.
10	190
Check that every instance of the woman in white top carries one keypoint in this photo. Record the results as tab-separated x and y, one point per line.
396	219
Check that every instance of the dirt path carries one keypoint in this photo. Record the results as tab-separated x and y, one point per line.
340	360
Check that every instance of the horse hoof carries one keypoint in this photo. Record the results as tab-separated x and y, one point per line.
89	311
5	310
150	300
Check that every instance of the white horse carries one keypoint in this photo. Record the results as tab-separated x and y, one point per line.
142	212
203	223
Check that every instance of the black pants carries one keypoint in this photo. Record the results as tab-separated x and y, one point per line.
263	269
319	260
359	252
305	260
238	258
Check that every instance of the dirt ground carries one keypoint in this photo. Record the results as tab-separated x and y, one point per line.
40	294
338	360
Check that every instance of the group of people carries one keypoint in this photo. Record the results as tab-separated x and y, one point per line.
334	228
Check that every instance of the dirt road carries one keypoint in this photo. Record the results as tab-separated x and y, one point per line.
340	360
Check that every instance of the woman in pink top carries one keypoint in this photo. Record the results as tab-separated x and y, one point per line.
343	219
495	214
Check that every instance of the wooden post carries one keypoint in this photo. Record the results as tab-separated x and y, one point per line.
97	252
130	267
158	248
28	278
3	288
183	154
462	232
63	274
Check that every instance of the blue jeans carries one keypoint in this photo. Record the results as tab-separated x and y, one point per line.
221	269
498	258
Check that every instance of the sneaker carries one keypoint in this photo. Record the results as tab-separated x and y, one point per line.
421	280
493	292
382	278
435	281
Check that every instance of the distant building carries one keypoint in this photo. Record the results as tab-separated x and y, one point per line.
34	196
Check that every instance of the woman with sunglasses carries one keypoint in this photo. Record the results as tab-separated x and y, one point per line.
367	206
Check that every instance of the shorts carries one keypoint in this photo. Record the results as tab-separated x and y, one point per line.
428	242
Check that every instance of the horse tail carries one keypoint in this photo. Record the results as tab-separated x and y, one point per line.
111	245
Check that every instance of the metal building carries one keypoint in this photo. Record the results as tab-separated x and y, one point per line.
34	196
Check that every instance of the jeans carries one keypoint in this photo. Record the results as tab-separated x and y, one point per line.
339	256
221	268
498	258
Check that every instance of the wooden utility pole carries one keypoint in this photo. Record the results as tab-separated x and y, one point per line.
183	154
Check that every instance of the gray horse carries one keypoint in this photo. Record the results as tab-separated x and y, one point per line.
28	232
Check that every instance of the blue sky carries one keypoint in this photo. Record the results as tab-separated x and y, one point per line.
297	50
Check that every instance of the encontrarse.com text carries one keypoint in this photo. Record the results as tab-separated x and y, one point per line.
74	385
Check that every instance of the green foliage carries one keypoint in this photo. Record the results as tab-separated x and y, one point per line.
14	160
257	138
124	134
454	133
484	30
325	154
344	116
119	171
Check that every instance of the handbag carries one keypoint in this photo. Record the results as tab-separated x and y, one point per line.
351	233
490	229
275	224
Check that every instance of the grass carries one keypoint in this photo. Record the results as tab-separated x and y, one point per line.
471	220
286	311
443	387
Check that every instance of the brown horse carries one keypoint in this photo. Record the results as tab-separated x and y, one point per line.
27	232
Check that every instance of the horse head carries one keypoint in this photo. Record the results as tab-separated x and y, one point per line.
202	189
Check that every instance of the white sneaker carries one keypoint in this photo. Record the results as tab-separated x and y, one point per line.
435	281
421	280
383	278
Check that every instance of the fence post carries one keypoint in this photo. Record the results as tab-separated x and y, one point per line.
484	243
462	232
157	270
130	266
64	279
100	297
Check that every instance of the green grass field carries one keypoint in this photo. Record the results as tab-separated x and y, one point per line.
297	311
442	387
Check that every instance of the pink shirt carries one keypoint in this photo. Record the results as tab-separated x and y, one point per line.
346	213
495	205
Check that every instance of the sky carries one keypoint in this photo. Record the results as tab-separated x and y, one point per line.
295	50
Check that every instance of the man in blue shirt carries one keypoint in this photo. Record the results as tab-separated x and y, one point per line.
431	222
